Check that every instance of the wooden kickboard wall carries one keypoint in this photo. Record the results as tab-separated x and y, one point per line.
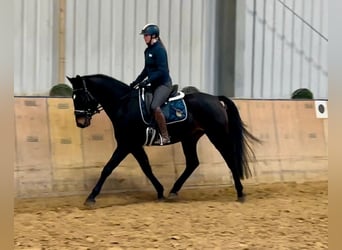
54	157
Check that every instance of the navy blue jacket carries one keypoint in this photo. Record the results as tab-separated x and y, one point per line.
156	66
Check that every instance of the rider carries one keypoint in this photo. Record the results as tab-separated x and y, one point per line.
156	70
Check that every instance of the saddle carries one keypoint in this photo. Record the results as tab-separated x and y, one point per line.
174	110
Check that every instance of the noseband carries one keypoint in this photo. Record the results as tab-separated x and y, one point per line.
89	111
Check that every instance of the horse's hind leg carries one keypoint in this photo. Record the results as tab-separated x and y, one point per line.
226	149
141	157
231	162
192	162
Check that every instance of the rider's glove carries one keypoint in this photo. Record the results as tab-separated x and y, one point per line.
133	84
144	83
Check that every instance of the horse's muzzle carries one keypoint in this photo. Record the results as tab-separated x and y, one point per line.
82	121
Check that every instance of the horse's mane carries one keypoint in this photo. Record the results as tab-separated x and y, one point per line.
106	80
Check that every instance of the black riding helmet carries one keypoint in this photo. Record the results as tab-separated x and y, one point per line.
150	29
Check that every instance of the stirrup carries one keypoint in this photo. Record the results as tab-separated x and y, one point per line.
162	140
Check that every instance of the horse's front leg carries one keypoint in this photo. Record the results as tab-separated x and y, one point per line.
118	155
140	155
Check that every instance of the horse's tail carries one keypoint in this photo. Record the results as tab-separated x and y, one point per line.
241	138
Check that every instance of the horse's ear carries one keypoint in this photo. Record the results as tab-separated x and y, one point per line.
71	80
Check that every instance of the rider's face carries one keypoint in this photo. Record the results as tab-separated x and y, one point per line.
147	38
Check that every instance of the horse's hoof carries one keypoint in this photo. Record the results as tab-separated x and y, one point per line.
161	198
90	203
241	199
172	196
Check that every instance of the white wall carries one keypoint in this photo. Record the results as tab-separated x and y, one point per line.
35	46
102	36
284	53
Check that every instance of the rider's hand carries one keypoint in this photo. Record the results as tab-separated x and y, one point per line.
133	84
144	83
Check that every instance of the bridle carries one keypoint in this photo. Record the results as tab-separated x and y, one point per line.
89	99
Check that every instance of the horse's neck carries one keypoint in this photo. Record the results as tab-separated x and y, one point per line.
108	96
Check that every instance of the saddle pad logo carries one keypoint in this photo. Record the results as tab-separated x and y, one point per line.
179	113
174	111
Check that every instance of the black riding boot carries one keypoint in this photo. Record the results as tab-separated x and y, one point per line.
160	119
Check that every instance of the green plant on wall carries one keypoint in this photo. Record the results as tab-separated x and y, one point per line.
302	93
61	90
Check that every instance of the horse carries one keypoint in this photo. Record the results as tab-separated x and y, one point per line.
215	116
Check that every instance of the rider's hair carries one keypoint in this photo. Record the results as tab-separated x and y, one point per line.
161	42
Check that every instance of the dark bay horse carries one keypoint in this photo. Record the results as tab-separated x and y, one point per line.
215	116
